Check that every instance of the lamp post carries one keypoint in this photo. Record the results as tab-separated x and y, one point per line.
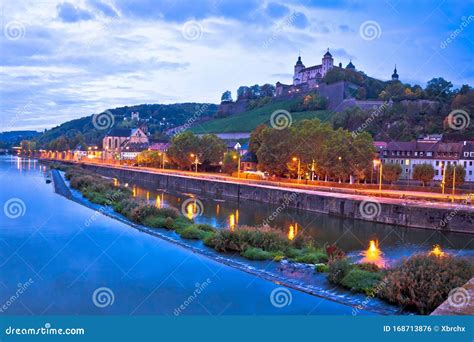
238	163
299	167
376	163
162	155
443	180
195	160
454	183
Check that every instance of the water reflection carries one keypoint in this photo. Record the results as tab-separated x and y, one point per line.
398	241
373	254
293	231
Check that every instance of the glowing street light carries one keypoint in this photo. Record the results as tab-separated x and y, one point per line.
238	163
299	167
378	162
192	155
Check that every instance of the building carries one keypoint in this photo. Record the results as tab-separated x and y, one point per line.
430	150
310	78
131	150
248	162
117	140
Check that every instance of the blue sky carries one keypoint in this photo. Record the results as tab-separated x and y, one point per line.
61	60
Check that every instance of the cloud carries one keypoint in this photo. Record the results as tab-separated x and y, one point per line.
276	10
67	12
103	7
300	20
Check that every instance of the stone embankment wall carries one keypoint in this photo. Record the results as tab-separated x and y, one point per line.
457	219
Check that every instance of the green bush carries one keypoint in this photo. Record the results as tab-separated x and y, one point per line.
253	253
322	268
368	266
361	281
315	257
338	269
423	282
193	232
155	221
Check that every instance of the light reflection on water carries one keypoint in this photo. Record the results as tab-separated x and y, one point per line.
363	241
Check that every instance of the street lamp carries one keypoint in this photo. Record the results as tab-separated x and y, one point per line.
454	182
162	155
443	180
238	163
195	160
299	167
375	162
378	162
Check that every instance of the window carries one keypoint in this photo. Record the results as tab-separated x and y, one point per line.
429	154
421	154
437	162
466	154
416	153
406	170
471	154
470	172
437	172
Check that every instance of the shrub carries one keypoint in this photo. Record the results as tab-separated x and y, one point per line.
334	253
360	281
168	212
315	257
206	227
155	221
338	269
423	282
322	268
368	266
193	232
253	253
179	223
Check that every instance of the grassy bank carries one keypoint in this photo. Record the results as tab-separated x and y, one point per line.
419	283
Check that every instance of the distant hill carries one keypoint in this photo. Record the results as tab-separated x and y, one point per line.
158	116
15	137
248	120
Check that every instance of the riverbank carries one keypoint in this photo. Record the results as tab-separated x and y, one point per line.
409	213
250	242
318	288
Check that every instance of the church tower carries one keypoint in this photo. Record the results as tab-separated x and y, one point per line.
328	62
395	74
297	77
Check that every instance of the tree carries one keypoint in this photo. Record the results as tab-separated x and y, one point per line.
149	158
255	139
27	145
243	93
276	150
267	90
255	91
59	144
460	175
226	97
211	150
230	161
439	88
181	147
391	172
423	173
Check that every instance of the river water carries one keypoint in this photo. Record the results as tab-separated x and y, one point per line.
55	259
52	263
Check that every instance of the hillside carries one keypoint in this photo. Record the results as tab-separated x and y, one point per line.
159	117
248	120
14	137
